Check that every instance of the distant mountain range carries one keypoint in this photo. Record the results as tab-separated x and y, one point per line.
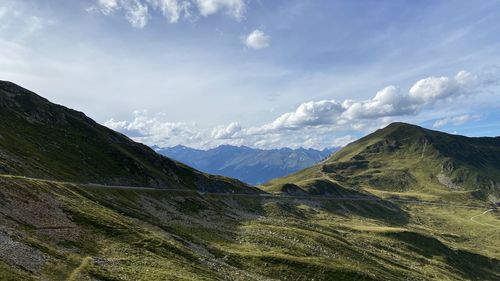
253	166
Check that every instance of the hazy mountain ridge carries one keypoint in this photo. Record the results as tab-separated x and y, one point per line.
250	165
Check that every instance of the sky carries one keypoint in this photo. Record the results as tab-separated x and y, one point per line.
266	74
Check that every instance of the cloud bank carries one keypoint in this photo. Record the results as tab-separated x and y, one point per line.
319	124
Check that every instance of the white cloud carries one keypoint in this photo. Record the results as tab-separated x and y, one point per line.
308	114
234	8
257	40
455	120
390	101
226	132
152	130
431	89
108	6
172	10
138	12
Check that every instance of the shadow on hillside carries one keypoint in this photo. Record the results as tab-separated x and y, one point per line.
338	200
154	206
469	265
378	209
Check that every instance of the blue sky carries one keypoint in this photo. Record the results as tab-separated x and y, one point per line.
259	73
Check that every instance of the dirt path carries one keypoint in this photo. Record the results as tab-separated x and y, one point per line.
482	214
74	275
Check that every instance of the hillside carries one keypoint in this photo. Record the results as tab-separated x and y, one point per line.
250	165
407	158
40	139
81	223
60	231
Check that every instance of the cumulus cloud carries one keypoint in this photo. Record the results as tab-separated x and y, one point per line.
153	130
257	40
390	101
138	12
318	124
226	132
308	114
432	89
455	120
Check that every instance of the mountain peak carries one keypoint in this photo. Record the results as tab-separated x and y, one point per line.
401	129
399	124
403	157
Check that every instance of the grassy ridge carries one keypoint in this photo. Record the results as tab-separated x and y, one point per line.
403	158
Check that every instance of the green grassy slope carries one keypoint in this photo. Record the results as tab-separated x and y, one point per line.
404	158
43	140
58	231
